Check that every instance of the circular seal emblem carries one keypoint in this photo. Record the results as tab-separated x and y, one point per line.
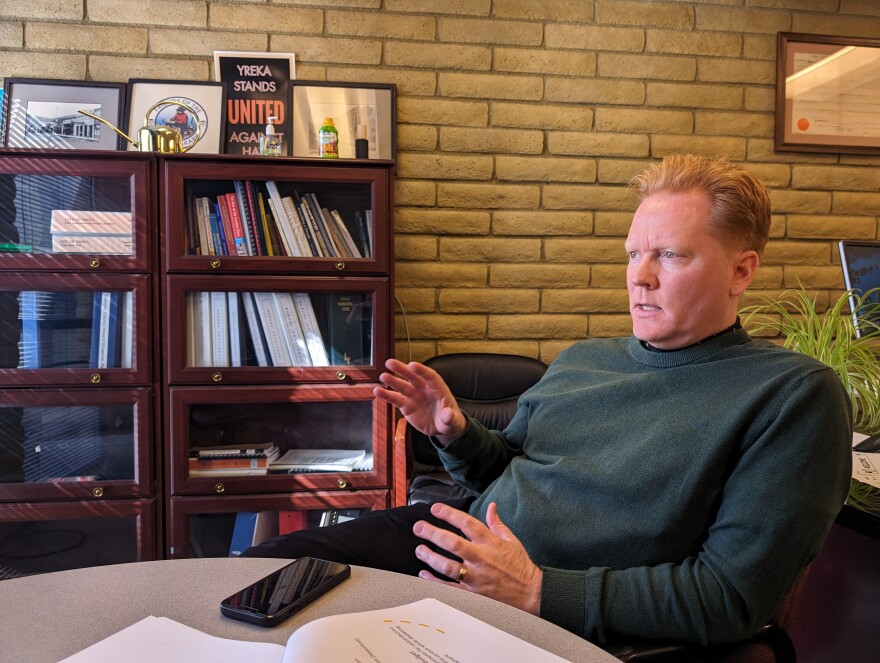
182	113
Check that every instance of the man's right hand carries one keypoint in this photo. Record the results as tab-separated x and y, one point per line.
423	398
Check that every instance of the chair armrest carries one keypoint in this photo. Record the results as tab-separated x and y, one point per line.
402	464
770	636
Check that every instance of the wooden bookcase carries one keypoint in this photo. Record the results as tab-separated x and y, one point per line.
78	451
171	396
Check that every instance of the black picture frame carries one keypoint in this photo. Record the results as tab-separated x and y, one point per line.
42	113
149	101
350	104
827	94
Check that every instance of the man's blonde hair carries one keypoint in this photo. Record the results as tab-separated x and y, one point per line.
740	202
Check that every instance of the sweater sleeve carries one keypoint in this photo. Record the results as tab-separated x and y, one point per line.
777	506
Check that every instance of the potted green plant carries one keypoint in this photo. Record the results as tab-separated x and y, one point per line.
830	337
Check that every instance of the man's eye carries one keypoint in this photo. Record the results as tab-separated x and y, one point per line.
631	254
669	254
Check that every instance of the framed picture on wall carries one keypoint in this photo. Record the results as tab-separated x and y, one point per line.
46	113
195	108
827	94
370	106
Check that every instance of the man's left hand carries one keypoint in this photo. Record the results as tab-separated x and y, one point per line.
494	562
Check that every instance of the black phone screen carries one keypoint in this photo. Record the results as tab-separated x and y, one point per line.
281	593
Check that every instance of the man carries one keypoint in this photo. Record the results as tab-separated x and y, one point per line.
669	485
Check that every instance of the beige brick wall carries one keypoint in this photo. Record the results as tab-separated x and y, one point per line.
519	123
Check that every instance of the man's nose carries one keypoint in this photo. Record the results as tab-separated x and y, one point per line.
643	273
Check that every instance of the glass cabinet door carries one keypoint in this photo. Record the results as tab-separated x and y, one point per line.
74	213
324	220
201	527
270	439
94	443
275	329
80	329
41	538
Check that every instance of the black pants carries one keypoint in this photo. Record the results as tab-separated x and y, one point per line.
379	539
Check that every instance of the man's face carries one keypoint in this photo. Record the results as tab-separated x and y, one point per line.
683	285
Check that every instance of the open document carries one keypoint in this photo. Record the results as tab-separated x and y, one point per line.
427	631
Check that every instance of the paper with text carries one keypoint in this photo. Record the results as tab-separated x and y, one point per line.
427	631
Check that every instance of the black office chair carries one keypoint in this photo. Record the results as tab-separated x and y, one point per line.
487	387
771	644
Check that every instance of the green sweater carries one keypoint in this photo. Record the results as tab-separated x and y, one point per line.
667	494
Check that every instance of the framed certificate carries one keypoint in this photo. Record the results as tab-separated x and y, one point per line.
827	94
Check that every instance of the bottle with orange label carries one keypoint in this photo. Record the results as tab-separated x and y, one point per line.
328	140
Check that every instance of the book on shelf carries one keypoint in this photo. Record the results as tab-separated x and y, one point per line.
104	349
317	220
317	460
347	343
363	232
83	231
291	329
252	528
274	246
231	463
425	630
300	227
292	521
336	516
238	233
236	331
222	210
217	232
311	330
199	313
126	329
255	329
219	329
206	234
270	321
228	451
83	243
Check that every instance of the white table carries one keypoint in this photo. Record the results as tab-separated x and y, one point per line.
44	618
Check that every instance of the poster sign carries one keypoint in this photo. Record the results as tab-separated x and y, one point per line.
258	87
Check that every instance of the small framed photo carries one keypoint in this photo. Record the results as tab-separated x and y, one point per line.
45	113
827	94
196	109
370	106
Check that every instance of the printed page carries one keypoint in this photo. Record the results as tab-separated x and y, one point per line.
426	631
865	466
161	639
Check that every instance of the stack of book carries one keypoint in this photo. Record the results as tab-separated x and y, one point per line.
232	460
257	220
76	231
322	460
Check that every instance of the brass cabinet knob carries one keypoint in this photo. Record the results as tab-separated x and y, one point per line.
95	378
97	492
217	376
94	263
342	483
340	375
219	488
340	266
215	264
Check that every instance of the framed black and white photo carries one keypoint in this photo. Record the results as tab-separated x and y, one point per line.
45	113
194	108
369	105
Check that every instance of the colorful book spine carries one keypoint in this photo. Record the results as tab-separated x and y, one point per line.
238	233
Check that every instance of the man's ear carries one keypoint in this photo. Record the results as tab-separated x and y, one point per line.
745	265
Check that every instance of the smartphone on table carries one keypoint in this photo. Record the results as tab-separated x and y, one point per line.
272	599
